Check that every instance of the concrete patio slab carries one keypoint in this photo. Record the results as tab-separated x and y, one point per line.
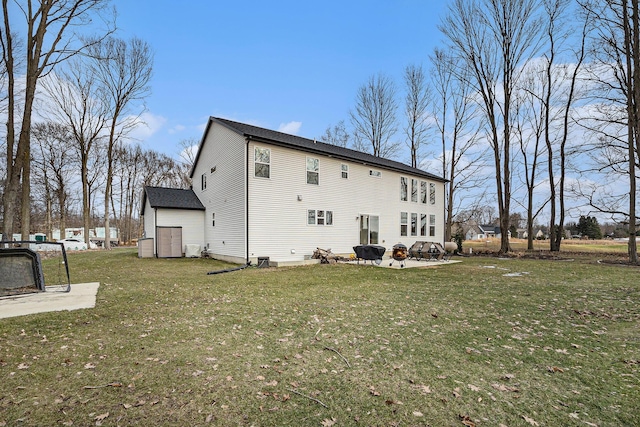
82	295
409	263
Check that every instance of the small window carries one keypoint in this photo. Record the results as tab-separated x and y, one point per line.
403	188
404	222
345	171
262	164
432	193
423	192
319	217
313	170
423	224
414	224
432	225
414	190
375	173
203	182
213	219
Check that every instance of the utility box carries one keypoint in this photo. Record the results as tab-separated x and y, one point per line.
145	248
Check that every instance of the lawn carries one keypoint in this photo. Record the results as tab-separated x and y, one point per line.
485	342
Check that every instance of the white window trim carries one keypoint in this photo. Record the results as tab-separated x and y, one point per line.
324	217
255	162
306	175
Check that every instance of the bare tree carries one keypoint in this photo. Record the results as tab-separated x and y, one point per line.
493	38
458	127
50	40
374	118
615	118
529	130
123	70
557	102
77	103
187	158
336	135
55	162
416	104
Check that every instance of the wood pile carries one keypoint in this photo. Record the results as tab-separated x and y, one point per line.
326	256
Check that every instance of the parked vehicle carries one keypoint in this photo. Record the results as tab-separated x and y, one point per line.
71	244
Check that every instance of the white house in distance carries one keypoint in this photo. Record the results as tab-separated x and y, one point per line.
271	194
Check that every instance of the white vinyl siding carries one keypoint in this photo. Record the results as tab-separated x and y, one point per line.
279	224
191	222
224	151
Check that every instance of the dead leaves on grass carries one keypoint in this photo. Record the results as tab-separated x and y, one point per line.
467	421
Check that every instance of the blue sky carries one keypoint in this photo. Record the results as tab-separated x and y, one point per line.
289	65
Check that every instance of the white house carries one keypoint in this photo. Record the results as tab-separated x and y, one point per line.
271	194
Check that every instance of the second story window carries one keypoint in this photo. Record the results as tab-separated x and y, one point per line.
414	190
262	165
432	193
345	171
403	189
423	192
313	171
203	181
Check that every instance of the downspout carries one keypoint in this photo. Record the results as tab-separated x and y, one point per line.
155	231
246	169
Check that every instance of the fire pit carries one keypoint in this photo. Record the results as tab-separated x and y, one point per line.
399	253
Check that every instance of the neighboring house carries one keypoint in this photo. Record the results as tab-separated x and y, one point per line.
473	232
271	194
479	232
169	212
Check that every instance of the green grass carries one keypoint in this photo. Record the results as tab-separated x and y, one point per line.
556	345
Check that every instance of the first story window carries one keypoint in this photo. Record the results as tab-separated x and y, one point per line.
262	162
423	224
432	225
313	170
345	171
203	182
319	217
404	223
414	224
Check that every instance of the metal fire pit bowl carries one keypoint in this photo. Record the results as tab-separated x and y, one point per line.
399	253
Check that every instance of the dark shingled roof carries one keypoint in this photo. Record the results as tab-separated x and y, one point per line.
171	198
258	134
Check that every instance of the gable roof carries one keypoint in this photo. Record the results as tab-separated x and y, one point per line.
268	136
171	198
